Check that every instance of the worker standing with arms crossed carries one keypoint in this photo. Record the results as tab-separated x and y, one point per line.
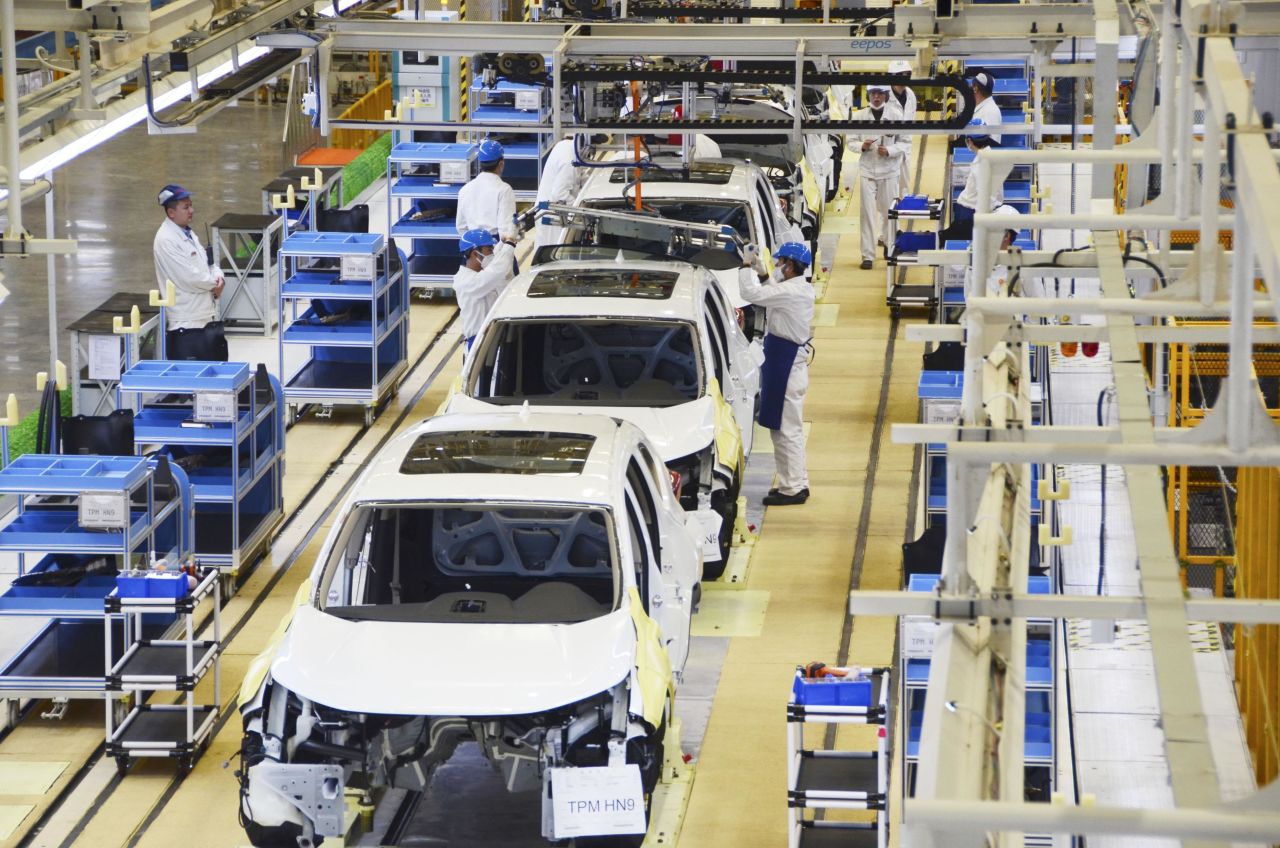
879	168
906	100
784	379
182	260
487	267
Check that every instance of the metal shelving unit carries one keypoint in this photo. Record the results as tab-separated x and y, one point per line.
93	392
511	103
181	730
345	300
901	253
424	179
90	516
819	779
224	422
244	250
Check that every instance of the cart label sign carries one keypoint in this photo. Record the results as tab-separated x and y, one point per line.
215	408
104	511
603	801
918	635
359	267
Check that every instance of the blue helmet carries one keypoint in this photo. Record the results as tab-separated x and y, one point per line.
796	252
490	151
472	239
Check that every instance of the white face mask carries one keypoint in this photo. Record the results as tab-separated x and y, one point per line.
777	275
486	260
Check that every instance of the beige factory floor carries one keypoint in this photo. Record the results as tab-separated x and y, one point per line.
855	521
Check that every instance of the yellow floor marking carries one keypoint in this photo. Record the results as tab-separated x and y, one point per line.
11	815
18	777
825	314
731	613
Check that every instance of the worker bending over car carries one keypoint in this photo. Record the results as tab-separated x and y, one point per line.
784	379
487	266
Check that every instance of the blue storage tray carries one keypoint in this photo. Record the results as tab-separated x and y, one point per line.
59	530
163	425
917	672
443	228
946	385
86	595
431	152
834	691
422	186
354	333
326	284
310	243
913	242
505	115
56	474
165	376
130	586
914	203
166	585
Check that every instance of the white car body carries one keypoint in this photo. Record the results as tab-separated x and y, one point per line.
548	616
720	374
726	181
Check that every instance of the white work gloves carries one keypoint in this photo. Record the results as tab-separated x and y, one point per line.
751	258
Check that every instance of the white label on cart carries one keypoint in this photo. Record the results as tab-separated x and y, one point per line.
358	267
104	357
598	801
528	101
103	511
941	411
709	524
426	96
215	407
455	172
917	638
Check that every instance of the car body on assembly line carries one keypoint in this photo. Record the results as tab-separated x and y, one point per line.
523	580
654	343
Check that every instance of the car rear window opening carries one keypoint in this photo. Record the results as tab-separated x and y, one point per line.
498	452
643	285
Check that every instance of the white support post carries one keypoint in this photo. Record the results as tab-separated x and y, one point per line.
1185	120
1240	377
1209	186
12	160
51	268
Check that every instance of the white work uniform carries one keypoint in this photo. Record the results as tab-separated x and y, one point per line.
908	107
989	112
477	291
789	315
878	176
487	203
560	183
180	257
969	196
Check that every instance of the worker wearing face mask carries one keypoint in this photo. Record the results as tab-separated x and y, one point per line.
905	97
879	168
487	267
784	379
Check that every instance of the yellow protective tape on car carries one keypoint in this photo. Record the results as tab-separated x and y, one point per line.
454	388
653	666
810	184
262	662
728	436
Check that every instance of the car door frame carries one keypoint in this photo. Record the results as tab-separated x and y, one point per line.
743	388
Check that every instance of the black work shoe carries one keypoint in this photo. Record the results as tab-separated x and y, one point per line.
866	264
787	500
775	490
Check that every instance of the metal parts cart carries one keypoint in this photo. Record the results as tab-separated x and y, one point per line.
424	179
307	203
93	379
90	516
901	251
837	780
244	250
345	297
176	730
224	423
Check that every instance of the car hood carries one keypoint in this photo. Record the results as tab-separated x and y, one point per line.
439	669
675	431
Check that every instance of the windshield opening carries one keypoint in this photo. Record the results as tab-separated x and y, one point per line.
474	563
581	361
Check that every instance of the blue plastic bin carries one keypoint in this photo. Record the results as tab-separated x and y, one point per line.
166	585
832	691
131	586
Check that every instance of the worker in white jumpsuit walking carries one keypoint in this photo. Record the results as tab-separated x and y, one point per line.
560	183
879	168
487	202
784	378
182	260
487	267
905	97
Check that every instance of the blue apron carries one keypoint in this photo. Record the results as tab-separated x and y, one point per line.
779	356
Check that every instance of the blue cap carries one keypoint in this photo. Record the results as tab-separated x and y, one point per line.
490	151
796	252
472	239
172	194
